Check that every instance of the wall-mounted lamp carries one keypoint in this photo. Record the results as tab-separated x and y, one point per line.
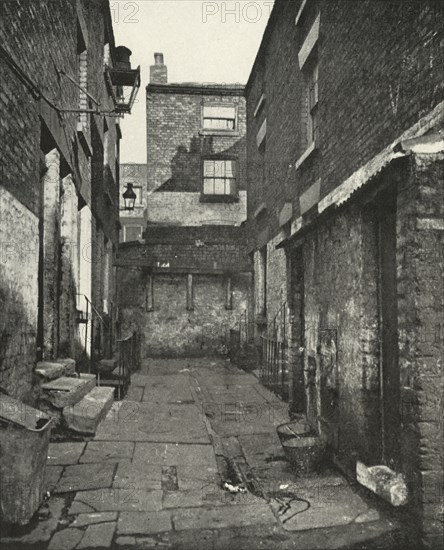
129	197
123	82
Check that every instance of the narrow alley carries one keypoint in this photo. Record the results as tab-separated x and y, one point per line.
221	275
154	474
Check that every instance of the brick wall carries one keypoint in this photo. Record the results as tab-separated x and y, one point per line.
176	144
380	70
170	329
209	248
165	260
187	209
39	39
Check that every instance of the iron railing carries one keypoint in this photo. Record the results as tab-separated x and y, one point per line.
274	355
98	333
129	361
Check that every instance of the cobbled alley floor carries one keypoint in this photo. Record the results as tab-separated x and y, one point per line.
154	474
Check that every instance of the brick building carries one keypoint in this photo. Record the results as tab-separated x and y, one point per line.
59	183
345	218
194	273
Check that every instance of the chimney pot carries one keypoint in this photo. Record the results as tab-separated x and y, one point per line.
158	58
159	71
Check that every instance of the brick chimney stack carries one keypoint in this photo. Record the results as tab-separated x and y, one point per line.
158	71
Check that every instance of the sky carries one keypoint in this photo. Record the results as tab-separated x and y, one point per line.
202	41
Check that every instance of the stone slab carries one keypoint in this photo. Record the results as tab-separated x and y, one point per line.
222	517
117	499
49	370
384	482
83	520
152	422
320	507
98	536
171	454
85	416
106	451
126	541
67	539
65	453
83	477
142	475
142	523
66	391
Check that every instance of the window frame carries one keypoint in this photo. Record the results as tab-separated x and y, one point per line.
219	131
233	196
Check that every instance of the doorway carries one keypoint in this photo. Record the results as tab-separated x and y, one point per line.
389	387
296	302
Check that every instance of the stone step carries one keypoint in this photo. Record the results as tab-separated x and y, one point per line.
50	370
65	391
85	416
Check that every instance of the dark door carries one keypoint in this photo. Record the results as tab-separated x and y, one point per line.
388	318
296	301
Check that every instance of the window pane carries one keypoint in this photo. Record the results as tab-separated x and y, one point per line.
219	168
218	111
219	187
208	186
208	168
230	168
231	186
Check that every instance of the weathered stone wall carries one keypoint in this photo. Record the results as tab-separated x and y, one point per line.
379	74
342	285
47	166
155	280
18	296
172	330
421	336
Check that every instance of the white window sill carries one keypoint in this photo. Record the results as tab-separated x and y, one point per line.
305	155
226	133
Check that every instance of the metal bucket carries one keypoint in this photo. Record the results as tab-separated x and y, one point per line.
24	440
304	449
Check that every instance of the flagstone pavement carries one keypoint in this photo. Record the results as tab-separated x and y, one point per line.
153	475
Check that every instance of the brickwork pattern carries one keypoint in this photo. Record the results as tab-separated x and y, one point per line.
366	100
40	39
172	330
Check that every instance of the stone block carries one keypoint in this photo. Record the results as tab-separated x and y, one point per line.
98	536
384	482
67	539
85	416
144	523
83	477
106	451
65	453
223	517
65	391
83	520
50	370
